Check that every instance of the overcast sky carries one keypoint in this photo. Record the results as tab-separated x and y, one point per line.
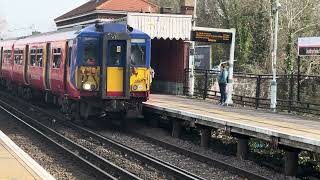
23	15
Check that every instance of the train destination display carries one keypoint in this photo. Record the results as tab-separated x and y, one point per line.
212	37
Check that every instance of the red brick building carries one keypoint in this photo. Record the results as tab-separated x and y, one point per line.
103	10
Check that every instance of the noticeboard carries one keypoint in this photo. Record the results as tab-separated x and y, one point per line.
202	57
212	37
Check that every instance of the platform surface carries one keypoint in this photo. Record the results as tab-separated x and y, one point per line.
286	129
15	164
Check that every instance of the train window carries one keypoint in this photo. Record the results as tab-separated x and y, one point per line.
56	58
1	53
39	58
33	57
69	55
18	56
90	53
138	55
116	55
8	58
4	55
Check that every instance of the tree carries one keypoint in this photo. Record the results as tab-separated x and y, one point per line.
298	18
253	22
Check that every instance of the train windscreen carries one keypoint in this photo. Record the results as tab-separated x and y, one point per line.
138	55
90	51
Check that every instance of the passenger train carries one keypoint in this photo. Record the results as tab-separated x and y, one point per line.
102	69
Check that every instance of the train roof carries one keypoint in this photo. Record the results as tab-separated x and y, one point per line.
69	34
49	37
117	28
8	42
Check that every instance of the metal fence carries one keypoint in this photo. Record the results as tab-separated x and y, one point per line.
295	93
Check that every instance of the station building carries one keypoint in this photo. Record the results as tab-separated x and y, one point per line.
170	33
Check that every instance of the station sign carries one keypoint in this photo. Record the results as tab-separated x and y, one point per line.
211	37
309	51
309	46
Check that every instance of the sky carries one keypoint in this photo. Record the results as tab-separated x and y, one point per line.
23	16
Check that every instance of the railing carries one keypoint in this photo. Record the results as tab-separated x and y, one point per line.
295	93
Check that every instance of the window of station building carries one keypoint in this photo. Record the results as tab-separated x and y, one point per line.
57	57
39	58
18	56
33	60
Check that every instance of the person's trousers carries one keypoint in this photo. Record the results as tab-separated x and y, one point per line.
223	93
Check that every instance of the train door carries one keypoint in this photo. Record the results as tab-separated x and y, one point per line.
57	69
116	69
1	57
67	63
47	66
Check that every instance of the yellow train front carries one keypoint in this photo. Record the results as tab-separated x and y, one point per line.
112	71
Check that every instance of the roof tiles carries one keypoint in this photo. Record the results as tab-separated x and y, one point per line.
112	5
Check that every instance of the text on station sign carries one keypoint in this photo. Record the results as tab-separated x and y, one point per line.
309	51
213	37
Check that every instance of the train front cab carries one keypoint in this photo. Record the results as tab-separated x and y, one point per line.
140	78
126	70
110	70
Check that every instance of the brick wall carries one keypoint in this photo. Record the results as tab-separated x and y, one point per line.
169	58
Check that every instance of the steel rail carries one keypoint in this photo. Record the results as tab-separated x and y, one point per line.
92	160
164	166
167	167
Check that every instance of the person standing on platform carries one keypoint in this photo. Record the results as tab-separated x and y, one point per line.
223	80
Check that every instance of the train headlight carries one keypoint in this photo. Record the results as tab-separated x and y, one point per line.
90	84
87	86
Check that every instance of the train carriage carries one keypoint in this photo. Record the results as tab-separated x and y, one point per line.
97	70
7	49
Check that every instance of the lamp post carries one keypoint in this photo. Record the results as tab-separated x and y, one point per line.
192	53
275	11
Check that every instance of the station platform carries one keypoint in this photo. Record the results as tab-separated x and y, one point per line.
16	164
280	129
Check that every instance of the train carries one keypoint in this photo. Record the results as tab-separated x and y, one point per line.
99	70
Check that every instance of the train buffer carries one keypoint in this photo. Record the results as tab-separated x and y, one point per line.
289	132
16	164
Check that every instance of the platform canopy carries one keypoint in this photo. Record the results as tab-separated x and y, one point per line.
309	46
165	26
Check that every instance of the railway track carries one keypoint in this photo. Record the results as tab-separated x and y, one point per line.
157	163
96	162
215	162
99	166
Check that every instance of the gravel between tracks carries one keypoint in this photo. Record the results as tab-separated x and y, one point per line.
130	164
57	164
202	169
245	164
